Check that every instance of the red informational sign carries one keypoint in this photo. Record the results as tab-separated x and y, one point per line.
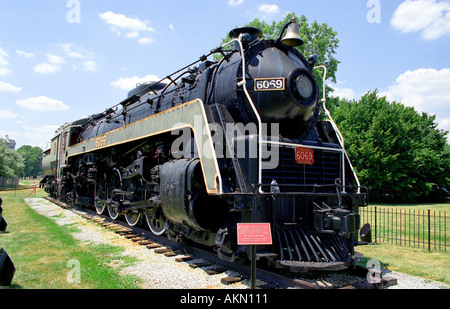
254	234
304	155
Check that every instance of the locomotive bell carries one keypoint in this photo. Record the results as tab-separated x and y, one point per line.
292	37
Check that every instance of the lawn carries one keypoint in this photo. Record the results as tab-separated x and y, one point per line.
43	251
46	255
413	261
402	236
420	226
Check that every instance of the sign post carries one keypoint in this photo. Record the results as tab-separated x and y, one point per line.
254	234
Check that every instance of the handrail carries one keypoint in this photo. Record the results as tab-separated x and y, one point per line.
327	112
336	129
258	117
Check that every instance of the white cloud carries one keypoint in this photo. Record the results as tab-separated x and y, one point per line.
146	40
344	93
4	63
172	27
128	83
42	104
22	53
3	55
90	65
4	71
426	90
53	65
235	2
79	54
7	114
38	136
57	60
131	26
123	22
7	87
132	35
68	50
30	135
430	17
46	68
269	9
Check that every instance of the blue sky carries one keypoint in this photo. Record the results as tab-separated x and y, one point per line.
61	60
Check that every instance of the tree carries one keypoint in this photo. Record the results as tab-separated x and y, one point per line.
398	153
319	39
11	162
432	159
32	160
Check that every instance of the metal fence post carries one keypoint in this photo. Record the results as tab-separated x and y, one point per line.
429	230
375	224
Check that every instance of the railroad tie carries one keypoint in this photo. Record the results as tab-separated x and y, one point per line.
199	264
137	239
163	250
183	259
170	254
230	280
131	236
153	246
216	270
122	232
145	242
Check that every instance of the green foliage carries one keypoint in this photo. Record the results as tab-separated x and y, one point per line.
319	39
398	153
11	162
32	160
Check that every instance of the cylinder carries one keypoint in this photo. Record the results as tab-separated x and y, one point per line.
184	198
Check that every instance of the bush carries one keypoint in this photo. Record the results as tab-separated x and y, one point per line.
398	153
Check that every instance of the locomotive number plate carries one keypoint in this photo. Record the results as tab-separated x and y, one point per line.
304	156
270	84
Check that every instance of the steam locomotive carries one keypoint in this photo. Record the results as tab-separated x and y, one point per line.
218	143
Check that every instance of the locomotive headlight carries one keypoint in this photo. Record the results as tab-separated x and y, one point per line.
305	86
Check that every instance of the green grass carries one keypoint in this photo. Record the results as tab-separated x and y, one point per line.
413	261
431	206
400	238
411	225
42	251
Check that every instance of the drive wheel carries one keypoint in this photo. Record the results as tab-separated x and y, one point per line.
156	221
100	195
133	218
115	183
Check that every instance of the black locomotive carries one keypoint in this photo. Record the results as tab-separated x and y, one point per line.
219	143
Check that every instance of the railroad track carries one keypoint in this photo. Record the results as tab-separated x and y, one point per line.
355	278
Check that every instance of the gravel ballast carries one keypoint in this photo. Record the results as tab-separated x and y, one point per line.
157	271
